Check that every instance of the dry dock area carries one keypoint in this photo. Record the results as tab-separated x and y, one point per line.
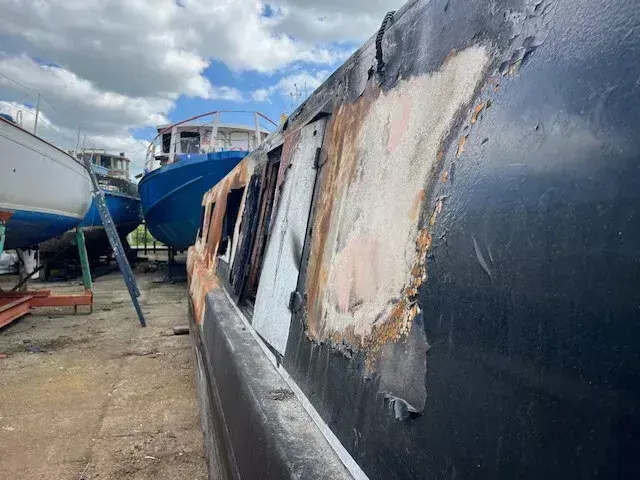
97	396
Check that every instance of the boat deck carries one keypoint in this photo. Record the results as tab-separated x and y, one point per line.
96	396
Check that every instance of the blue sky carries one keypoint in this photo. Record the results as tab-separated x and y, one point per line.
117	69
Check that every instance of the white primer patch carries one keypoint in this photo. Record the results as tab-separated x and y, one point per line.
372	245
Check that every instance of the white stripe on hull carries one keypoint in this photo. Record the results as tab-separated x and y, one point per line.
37	177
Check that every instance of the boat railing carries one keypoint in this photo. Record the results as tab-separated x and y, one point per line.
215	131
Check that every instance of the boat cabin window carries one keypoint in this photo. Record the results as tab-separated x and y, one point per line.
166	142
211	210
202	210
234	199
105	161
190	142
261	235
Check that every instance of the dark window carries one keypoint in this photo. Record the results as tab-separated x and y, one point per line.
189	142
234	198
105	161
166	142
262	233
204	208
213	207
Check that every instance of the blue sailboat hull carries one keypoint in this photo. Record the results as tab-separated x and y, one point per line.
171	196
124	209
27	229
126	214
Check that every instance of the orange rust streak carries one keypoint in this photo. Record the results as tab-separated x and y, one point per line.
417	204
201	261
476	112
461	143
341	137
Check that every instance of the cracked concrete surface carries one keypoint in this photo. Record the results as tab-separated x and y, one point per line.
98	397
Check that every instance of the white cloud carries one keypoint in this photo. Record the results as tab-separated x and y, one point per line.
331	20
72	100
121	65
261	95
67	138
153	47
294	88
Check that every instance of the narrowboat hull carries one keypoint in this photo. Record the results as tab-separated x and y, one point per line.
465	301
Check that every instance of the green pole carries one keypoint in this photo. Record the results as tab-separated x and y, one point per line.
84	260
2	231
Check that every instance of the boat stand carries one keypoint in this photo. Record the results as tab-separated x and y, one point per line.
112	234
15	304
170	277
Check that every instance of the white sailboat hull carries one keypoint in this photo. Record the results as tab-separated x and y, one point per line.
45	190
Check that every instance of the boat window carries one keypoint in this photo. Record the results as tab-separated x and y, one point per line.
189	142
204	208
166	142
105	161
234	199
211	210
261	234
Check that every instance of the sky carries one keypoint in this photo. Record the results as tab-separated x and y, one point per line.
118	68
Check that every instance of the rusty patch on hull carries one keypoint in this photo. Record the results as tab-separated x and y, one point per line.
368	251
201	260
342	131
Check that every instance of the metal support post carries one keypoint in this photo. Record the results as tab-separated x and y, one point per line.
35	124
2	235
114	240
84	260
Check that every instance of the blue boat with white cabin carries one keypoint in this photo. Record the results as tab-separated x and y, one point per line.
184	161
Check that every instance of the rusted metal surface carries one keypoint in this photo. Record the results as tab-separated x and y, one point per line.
201	260
368	251
203	255
471	247
14	305
268	182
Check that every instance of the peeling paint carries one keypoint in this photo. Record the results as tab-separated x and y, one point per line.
365	260
202	258
436	212
408	242
476	112
461	143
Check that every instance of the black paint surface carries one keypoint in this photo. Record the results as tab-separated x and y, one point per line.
254	422
532	303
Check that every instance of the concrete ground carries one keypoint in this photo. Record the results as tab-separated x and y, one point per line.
97	396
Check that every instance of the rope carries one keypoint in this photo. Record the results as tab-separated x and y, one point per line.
388	18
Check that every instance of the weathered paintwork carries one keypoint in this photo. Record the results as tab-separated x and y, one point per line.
288	227
202	259
467	296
